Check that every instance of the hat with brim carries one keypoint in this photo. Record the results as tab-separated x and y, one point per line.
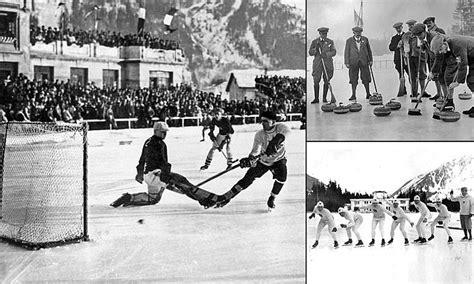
429	19
357	29
323	30
410	22
418	29
397	25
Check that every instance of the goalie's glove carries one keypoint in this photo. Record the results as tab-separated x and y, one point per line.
395	218
311	216
343	226
334	230
274	144
248	162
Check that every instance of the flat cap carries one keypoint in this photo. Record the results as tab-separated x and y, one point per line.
357	29
410	22
429	19
418	28
323	30
397	25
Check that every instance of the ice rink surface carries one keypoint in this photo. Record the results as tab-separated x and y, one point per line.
364	125
436	262
178	240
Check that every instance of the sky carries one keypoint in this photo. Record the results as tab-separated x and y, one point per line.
379	15
366	167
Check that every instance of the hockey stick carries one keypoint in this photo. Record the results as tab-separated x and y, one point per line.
223	172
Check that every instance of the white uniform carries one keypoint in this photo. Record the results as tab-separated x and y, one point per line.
354	221
424	216
401	220
261	140
378	217
326	219
443	215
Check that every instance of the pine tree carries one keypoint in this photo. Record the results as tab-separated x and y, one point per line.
464	14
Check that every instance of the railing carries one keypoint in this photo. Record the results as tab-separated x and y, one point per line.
188	121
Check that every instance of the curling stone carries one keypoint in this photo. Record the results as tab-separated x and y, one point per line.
393	105
375	99
355	107
465	96
341	109
382	111
328	107
449	116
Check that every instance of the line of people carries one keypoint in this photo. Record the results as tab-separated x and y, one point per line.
379	211
423	52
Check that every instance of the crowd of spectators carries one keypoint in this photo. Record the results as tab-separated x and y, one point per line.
105	38
281	86
34	100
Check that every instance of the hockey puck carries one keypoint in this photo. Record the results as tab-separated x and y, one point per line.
355	107
382	111
393	105
449	116
140	221
328	107
465	96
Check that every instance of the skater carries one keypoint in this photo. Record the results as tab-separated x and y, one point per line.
322	48
400	219
358	58
442	219
396	46
222	138
326	220
462	49
424	216
416	59
378	218
268	154
466	211
206	122
354	221
154	169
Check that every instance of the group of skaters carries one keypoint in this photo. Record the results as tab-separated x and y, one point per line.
379	211
424	52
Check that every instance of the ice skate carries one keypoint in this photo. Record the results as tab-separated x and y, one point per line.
316	243
422	241
124	199
417	240
348	243
383	243
464	239
450	240
390	241
407	242
336	244
431	237
271	203
359	244
205	167
372	243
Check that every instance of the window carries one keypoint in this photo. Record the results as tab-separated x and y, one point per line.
110	78
79	76
44	73
7	27
160	79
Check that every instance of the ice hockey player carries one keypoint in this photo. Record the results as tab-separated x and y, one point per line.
466	211
442	218
326	220
223	138
378	218
400	219
354	221
424	216
154	169
206	121
268	154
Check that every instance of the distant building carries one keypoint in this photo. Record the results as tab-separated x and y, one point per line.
404	203
125	66
241	84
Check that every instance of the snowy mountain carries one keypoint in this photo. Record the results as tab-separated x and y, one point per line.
451	175
217	35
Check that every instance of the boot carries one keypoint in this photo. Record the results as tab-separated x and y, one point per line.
469	111
390	241
124	199
407	242
353	97
383	242
449	105
450	240
367	90
372	242
316	243
431	237
205	167
325	92
348	242
316	94
359	243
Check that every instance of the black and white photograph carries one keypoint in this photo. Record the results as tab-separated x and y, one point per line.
390	70
390	212
152	141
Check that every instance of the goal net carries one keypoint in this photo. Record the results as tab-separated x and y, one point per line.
43	183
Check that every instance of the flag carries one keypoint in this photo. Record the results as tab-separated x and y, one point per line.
357	20
61	15
168	19
141	20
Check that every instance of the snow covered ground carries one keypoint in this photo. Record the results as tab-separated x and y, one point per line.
436	262
178	240
364	125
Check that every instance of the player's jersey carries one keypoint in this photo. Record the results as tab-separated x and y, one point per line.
261	140
466	203
154	156
378	211
422	208
442	210
326	216
399	213
224	125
